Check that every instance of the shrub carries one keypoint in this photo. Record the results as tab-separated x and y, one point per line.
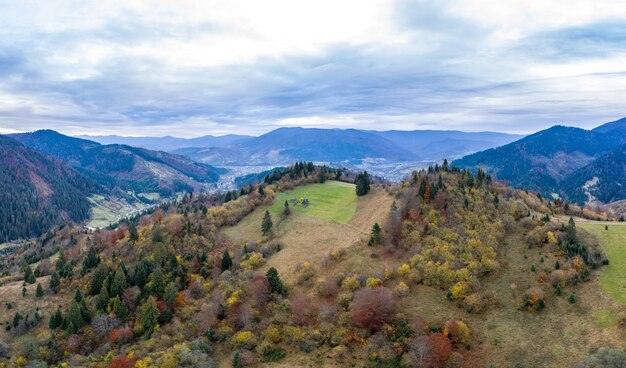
373	282
327	287
533	298
350	283
404	270
244	339
272	354
456	331
401	289
440	349
372	307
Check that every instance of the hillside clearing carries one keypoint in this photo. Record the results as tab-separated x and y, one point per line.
613	240
333	201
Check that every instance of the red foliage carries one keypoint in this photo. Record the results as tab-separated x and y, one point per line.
122	361
302	309
372	307
259	290
329	287
121	335
440	349
162	306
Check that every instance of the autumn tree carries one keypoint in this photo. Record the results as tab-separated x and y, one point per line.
372	307
440	349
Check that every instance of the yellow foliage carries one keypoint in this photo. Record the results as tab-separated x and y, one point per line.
551	238
244	339
459	331
234	298
388	273
273	334
578	264
460	290
254	260
144	363
373	282
402	289
350	283
404	270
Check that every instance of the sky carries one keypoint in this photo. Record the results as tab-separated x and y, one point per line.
192	68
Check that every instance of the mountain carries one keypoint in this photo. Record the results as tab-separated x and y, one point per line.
37	192
612	126
438	144
560	160
169	143
126	167
347	146
604	179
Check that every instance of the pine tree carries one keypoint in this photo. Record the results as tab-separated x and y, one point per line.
157	285
103	298
119	283
261	190
74	318
99	275
29	277
375	235
171	292
55	282
227	262
570	232
362	182
286	209
266	225
39	292
23	291
133	236
276	285
78	296
149	316
56	319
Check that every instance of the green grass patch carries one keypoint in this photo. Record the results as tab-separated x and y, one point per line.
332	201
605	318
613	241
150	196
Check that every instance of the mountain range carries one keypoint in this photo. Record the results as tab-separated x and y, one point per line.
121	166
347	146
579	165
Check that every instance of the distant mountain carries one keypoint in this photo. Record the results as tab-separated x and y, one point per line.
37	192
126	167
439	144
604	179
558	160
347	146
168	143
612	126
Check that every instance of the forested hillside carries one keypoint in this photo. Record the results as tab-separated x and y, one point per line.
128	168
172	289
37	192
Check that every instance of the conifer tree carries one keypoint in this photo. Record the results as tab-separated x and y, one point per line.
375	235
286	209
276	285
103	298
149	316
362	182
55	282
56	319
266	225
157	286
119	283
39	292
29	277
227	262
133	235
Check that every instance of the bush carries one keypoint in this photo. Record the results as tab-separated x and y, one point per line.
372	307
244	339
272	354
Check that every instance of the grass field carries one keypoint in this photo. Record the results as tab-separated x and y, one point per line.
332	201
613	240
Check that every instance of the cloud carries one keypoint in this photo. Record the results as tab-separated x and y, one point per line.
213	67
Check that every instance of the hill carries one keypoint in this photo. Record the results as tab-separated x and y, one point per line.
129	168
37	192
168	143
604	179
446	269
543	160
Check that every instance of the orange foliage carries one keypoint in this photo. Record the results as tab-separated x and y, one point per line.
122	361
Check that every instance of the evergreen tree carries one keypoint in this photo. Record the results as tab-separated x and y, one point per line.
17	318
375	235
78	296
119	283
171	292
39	292
56	319
286	209
266	225
149	316
570	232
276	285
261	190
98	278
142	271
91	260
157	284
55	282
103	298
74	318
133	235
362	182
227	262
29	277
23	291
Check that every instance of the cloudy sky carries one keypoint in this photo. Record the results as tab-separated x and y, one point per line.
215	67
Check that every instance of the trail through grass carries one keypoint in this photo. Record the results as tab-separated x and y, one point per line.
332	201
613	241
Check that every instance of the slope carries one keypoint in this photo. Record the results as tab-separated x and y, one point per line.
126	167
37	192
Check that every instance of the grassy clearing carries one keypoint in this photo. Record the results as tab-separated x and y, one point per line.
613	240
332	201
107	211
